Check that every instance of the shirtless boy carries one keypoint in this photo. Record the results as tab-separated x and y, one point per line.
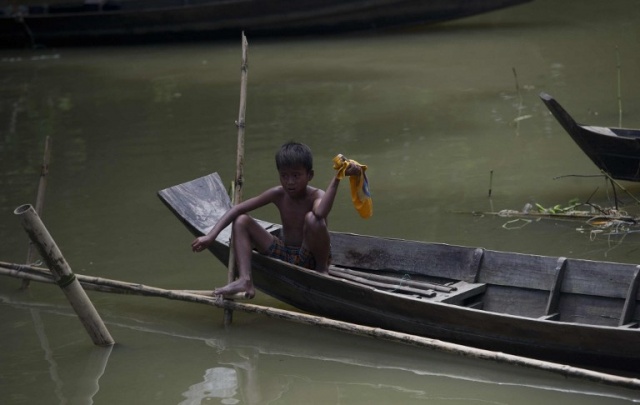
304	237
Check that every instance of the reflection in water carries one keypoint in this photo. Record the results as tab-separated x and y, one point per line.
279	362
219	382
44	343
86	386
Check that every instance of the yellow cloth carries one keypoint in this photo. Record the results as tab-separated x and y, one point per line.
360	195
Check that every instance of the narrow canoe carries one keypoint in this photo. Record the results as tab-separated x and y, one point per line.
578	312
615	151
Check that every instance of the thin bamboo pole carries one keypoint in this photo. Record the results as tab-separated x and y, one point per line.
239	181
384	285
42	186
391	282
107	285
619	67
63	275
615	183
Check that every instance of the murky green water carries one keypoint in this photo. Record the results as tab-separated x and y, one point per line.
432	112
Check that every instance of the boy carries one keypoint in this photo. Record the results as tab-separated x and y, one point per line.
304	237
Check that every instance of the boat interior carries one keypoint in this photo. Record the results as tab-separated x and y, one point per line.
554	289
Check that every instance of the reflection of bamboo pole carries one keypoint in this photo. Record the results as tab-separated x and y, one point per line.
239	181
87	386
515	76
48	355
378	333
63	275
42	185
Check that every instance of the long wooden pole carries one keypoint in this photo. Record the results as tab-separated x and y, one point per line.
63	275
239	180
42	185
122	287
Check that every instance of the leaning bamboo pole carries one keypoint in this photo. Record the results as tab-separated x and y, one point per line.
42	186
122	287
63	275
239	180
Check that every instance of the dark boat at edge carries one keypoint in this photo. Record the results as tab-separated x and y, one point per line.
124	21
615	151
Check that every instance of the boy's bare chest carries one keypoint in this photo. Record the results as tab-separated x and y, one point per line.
295	212
292	215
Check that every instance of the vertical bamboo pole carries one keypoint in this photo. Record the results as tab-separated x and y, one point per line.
619	88
239	181
63	275
42	185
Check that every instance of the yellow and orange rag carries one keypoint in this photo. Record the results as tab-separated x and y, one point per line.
360	194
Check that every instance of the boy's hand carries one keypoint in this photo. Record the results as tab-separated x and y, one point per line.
199	244
353	170
345	167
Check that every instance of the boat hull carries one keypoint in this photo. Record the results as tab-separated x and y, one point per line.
615	151
148	20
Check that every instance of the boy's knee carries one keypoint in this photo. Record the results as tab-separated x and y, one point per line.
314	223
241	221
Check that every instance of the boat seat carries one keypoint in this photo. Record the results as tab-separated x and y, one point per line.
461	292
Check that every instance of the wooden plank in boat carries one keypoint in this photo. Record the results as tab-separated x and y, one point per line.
613	278
631	301
518	270
462	291
554	294
517	284
405	257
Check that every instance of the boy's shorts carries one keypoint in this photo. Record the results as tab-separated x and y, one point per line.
292	254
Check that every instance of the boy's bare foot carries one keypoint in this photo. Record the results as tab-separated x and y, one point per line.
240	287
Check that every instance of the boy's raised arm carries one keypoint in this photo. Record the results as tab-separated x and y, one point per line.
322	207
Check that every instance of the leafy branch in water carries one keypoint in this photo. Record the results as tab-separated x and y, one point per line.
558	209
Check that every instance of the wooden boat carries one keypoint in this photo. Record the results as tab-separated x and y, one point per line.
616	151
88	21
567	310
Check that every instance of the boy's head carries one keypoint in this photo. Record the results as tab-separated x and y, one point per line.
294	154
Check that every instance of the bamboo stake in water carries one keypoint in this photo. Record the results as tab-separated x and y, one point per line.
63	275
619	88
490	182
42	185
239	181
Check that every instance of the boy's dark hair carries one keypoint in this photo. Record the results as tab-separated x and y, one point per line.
294	154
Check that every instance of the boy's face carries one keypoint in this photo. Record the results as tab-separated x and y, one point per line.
294	179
